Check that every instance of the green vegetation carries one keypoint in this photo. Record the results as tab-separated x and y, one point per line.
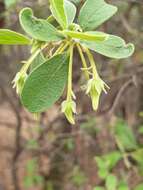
42	85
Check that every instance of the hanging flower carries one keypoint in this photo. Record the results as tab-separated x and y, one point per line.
18	81
69	109
94	88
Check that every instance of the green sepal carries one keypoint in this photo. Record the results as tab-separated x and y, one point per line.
95	86
69	109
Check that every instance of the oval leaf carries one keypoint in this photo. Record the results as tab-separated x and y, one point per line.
113	47
37	61
39	29
70	11
13	38
94	13
58	11
45	84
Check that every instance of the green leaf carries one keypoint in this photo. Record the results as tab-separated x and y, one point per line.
94	13
58	11
50	185
103	173
28	182
37	61
32	144
9	3
97	37
10	37
113	47
140	130
45	84
78	177
111	182
138	156
39	29
69	144
112	159
98	188
70	11
31	166
76	2
139	187
38	180
123	186
125	135
107	162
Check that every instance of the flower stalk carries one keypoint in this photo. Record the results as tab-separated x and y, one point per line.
85	68
69	106
69	91
96	85
62	47
92	62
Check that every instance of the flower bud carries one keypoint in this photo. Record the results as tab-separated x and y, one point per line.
94	88
19	81
69	109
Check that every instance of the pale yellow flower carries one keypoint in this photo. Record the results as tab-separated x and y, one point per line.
94	89
18	81
69	109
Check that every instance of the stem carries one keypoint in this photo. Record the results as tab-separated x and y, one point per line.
65	46
92	62
69	92
31	59
61	48
83	61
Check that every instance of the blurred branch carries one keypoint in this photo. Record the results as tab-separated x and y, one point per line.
120	93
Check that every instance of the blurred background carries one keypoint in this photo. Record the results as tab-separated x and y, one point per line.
104	150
